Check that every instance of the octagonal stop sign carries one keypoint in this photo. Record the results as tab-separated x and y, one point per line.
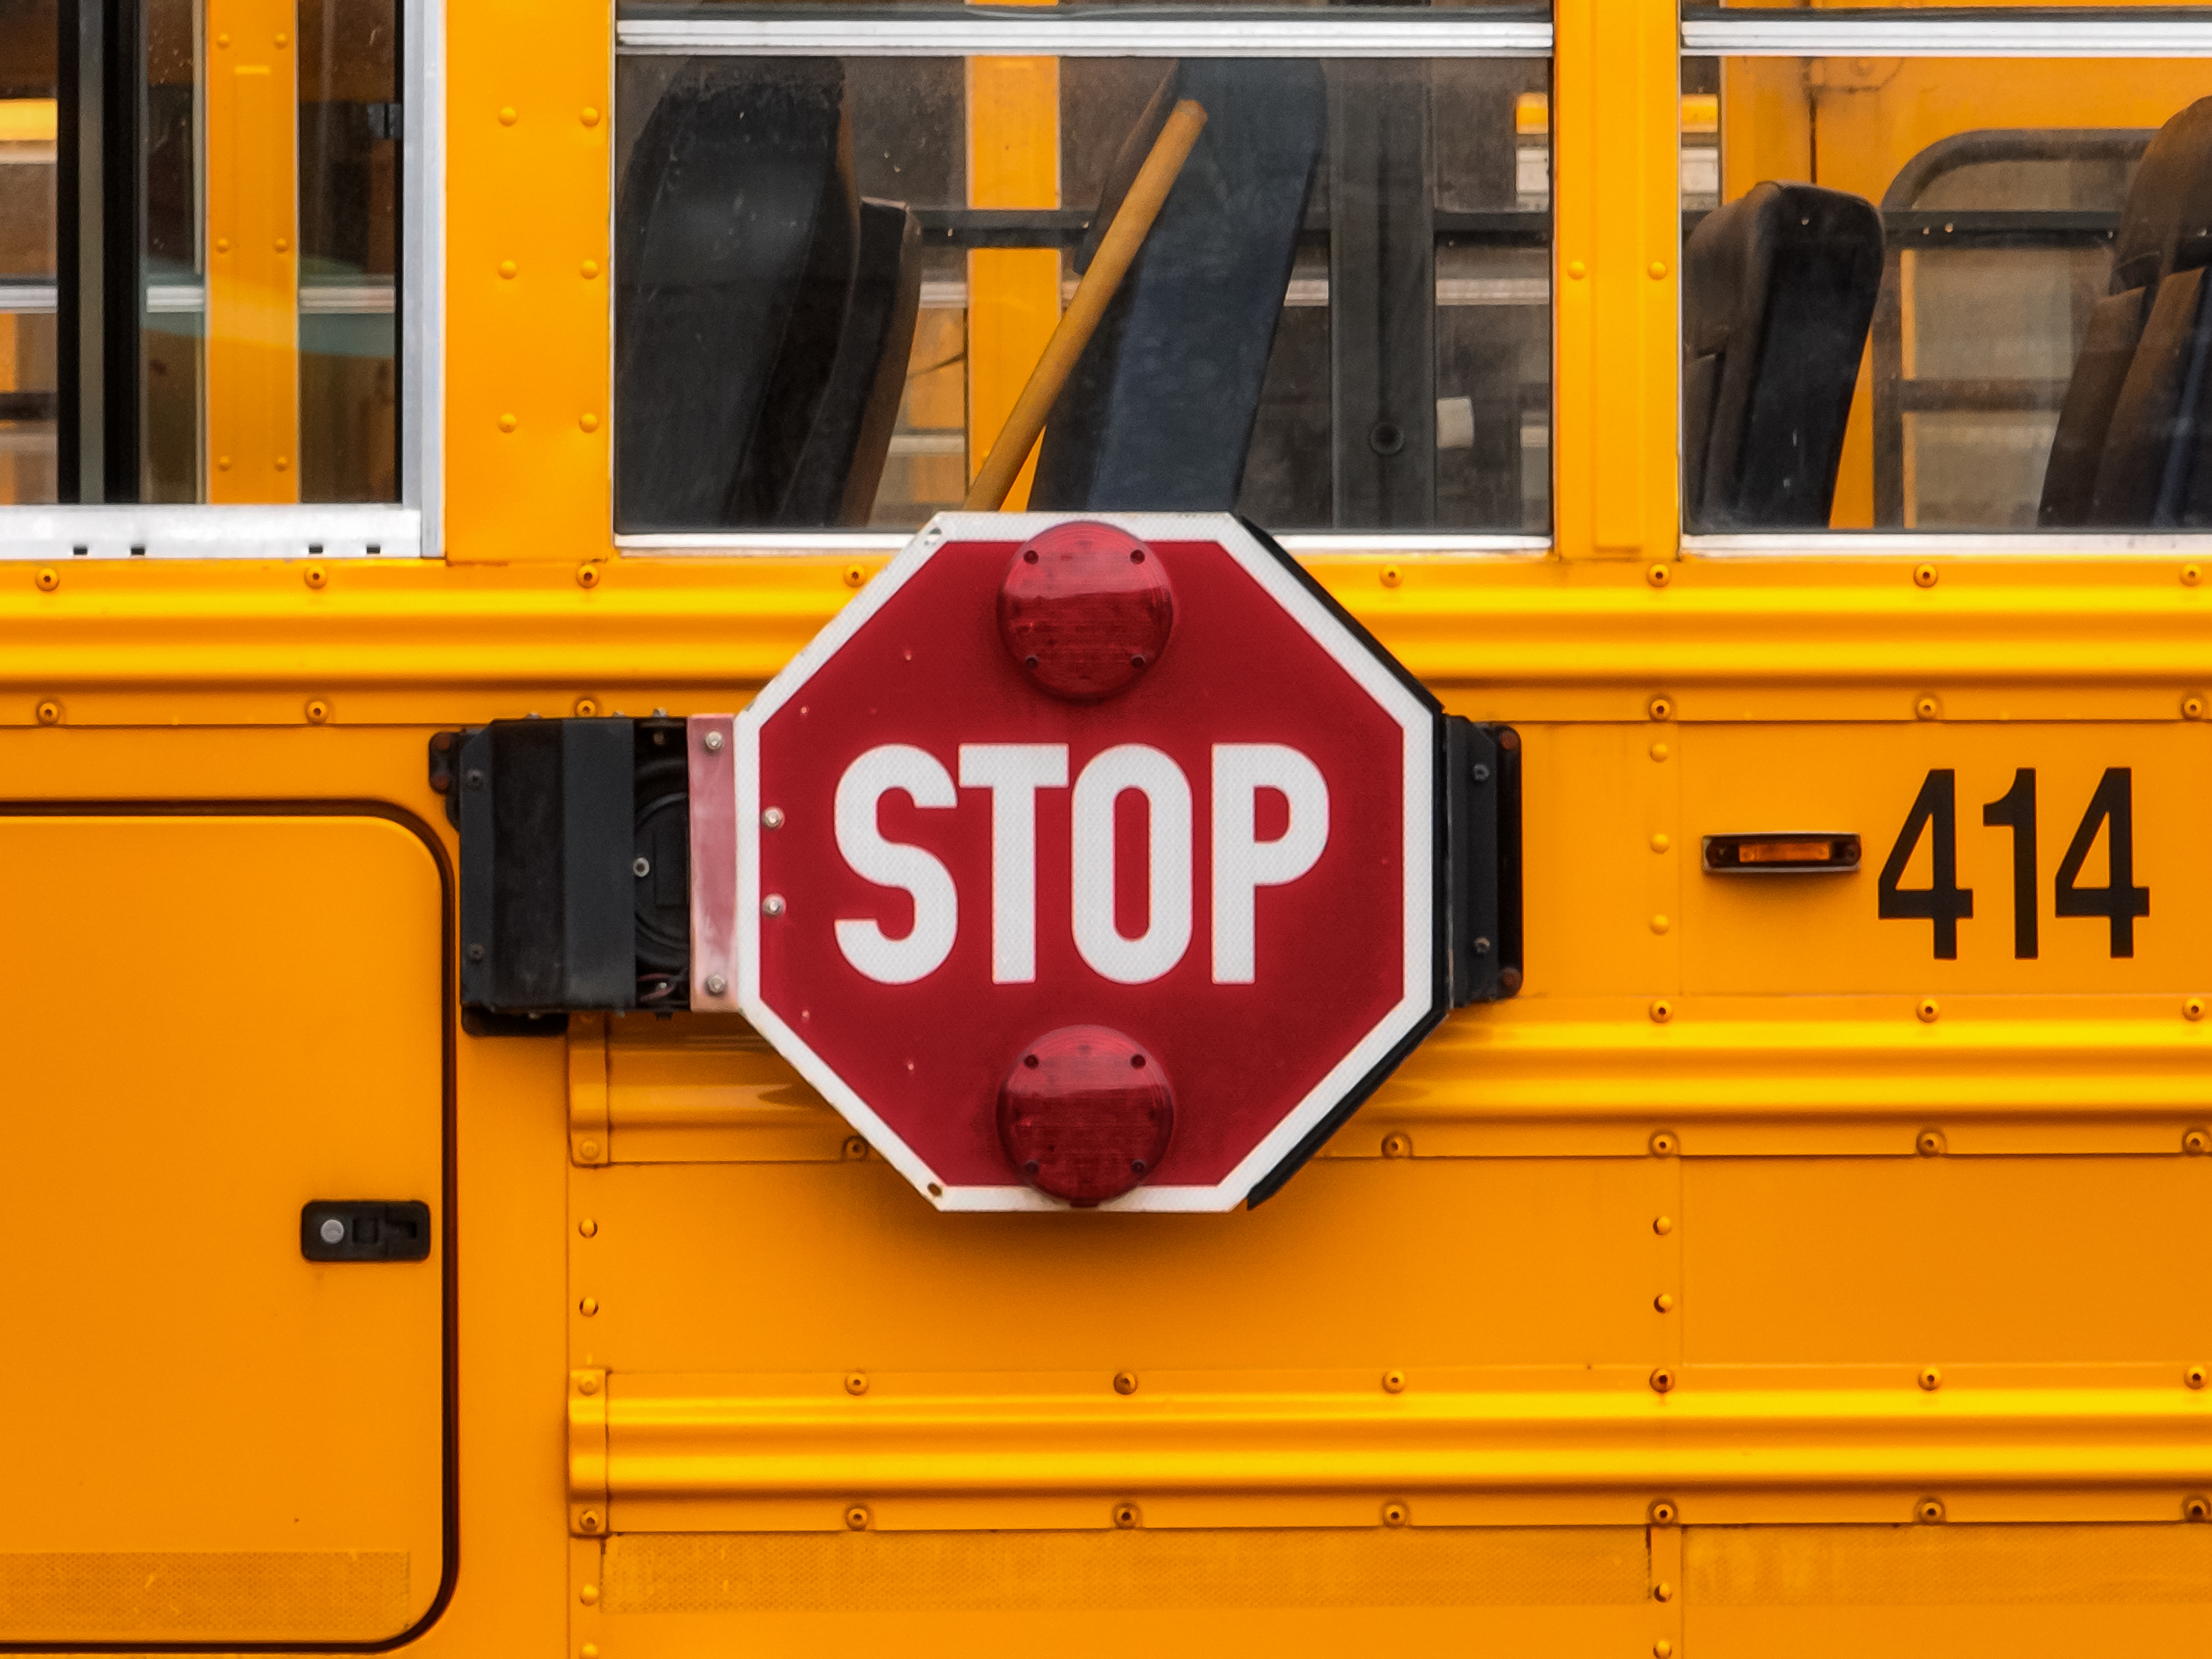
1089	862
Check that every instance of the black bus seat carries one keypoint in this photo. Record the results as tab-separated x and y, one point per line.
1159	411
2131	426
1778	290
735	250
843	460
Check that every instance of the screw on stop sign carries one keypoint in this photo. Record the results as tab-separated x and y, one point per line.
1086	609
1086	1113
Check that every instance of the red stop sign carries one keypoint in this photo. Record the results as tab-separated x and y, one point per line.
1089	862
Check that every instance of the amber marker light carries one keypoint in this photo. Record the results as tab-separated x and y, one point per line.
1790	854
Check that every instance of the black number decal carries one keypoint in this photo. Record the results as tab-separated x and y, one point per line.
1942	901
2017	808
2120	899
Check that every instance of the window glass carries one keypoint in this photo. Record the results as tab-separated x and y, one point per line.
1948	294
27	120
835	278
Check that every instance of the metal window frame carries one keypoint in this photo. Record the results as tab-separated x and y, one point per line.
646	29
409	528
1710	31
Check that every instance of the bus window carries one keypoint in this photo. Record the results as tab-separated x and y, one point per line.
27	382
836	278
1905	311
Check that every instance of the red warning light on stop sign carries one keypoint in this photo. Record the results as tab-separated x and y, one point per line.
1089	862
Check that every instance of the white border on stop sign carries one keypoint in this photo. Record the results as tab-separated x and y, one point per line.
1377	678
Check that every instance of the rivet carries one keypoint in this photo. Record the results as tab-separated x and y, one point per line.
712	743
1394	1515
332	1230
223	39
49	579
589	421
1662	1224
854	1148
856	1517
587	575
1126	1515
1664	1302
1929	1010
284	244
1576	270
1662	1012
2195	1508
590	269
223	463
717	985
590	1304
1924	575
589	1650
586	708
506	116
318	711
1662	1649
1926	709
1930	1142
1660	923
1125	1382
588	1521
1392	575
771	905
772	818
1658	268
1660	842
476	953
587	1384
507	269
222	246
588	1227
2193	1377
1929	1511
854	575
1659	576
507	423
1663	1512
2192	709
315	576
588	116
1660	751
1393	1382
589	1149
473	778
856	1382
2191	575
1662	708
1931	1378
640	867
936	1191
1662	1591
2194	1142
282	39
1397	1146
589	1595
283	462
1662	1144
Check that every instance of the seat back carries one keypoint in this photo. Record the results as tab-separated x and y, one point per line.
842	462
2133	427
1159	409
1778	289
735	248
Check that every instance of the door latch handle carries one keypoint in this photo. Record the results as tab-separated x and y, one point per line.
356	1230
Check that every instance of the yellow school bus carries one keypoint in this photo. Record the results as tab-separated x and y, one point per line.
1791	422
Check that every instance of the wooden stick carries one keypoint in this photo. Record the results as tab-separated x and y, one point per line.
1117	251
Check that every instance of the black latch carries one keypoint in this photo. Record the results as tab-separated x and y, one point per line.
1482	862
355	1230
575	871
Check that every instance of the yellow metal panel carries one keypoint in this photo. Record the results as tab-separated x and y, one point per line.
1013	294
526	428
253	252
1617	232
202	1395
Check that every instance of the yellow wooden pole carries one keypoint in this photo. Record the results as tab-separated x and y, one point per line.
1117	251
